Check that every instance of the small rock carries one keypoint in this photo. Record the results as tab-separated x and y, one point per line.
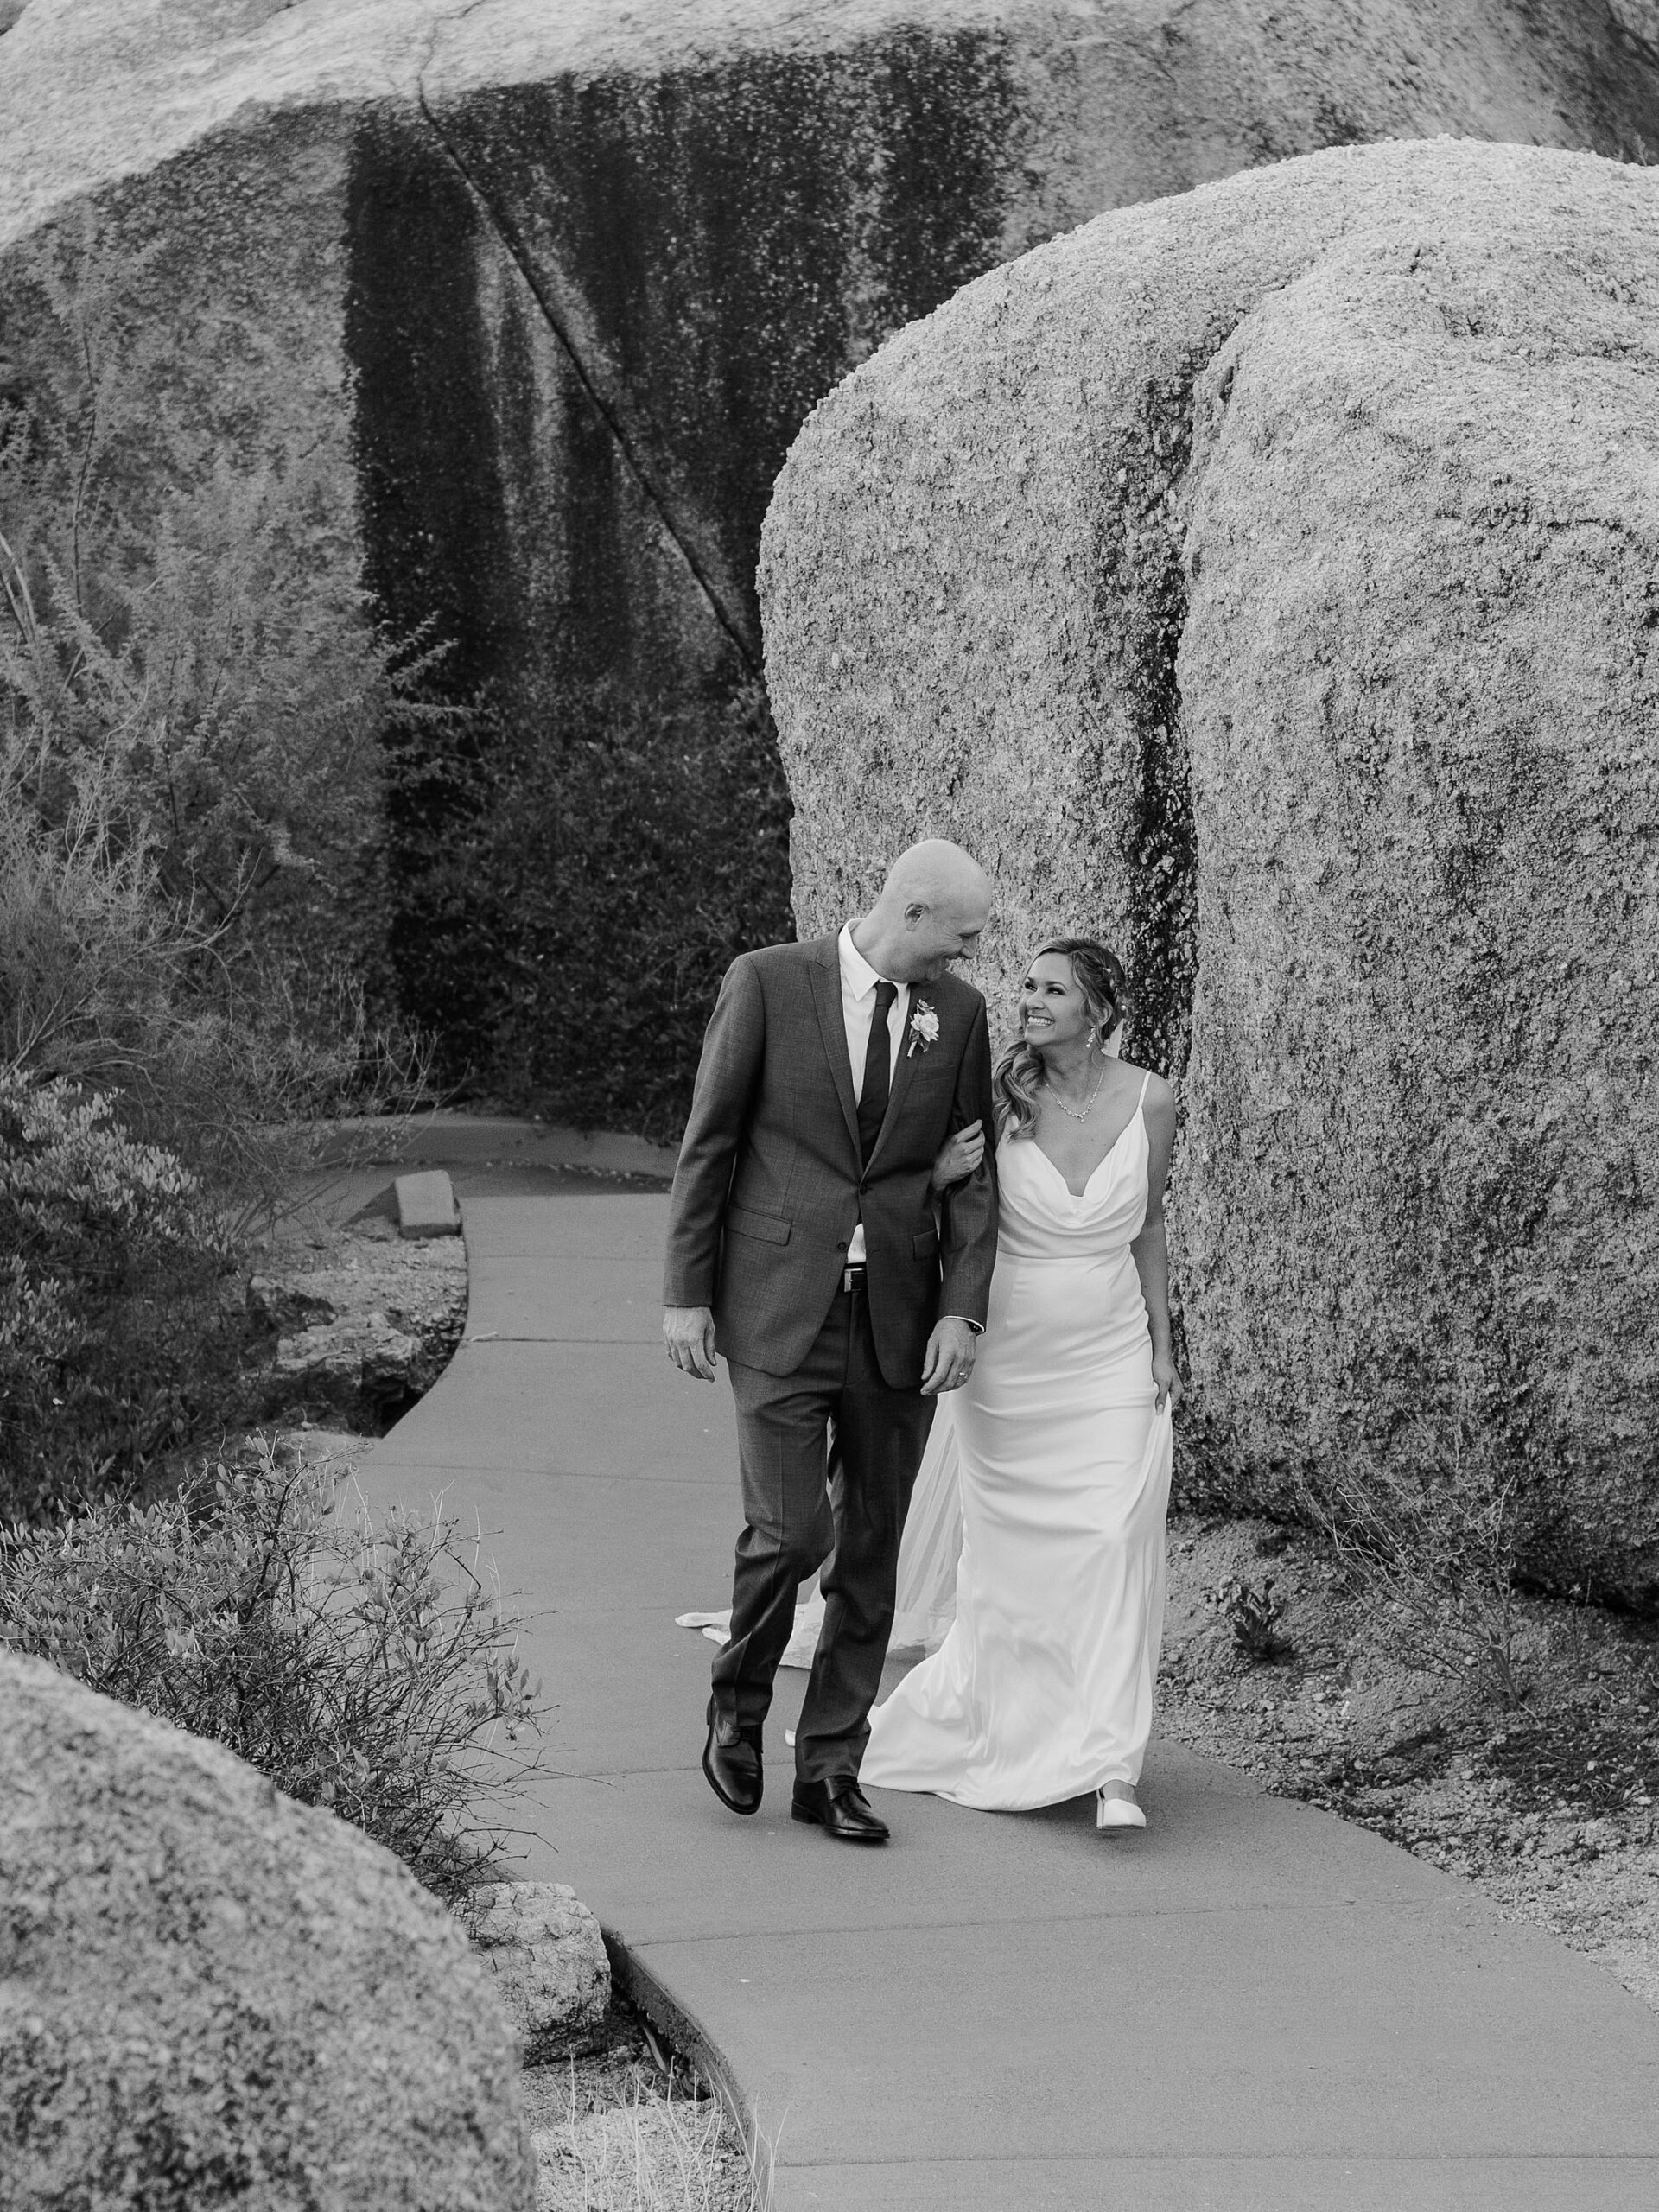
426	1205
360	1361
284	1309
551	1974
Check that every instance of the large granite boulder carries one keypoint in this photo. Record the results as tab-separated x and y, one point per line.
1266	579
517	307
210	1995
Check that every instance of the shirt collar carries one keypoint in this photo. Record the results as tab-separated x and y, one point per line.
856	971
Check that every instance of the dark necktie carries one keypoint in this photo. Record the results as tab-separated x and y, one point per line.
878	1062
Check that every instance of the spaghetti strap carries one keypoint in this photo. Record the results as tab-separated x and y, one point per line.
1140	1101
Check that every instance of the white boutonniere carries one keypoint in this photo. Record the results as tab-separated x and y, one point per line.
924	1028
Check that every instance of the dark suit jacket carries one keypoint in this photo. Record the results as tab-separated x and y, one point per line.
770	1183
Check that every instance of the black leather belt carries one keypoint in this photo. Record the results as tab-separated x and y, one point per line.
852	1275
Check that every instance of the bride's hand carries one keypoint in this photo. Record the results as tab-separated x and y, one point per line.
959	1156
1168	1381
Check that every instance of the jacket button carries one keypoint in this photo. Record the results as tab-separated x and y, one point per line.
841	1248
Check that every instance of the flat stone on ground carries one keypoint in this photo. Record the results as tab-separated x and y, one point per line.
426	1204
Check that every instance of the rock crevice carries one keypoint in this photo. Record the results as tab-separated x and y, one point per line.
1378	637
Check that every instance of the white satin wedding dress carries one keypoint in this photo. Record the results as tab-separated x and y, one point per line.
1042	1689
1032	1567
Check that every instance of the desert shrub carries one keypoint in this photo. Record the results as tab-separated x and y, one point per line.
574	886
1253	1615
116	1342
371	1671
193	699
1436	1549
192	851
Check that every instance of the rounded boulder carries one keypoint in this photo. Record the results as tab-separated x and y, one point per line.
212	1995
1266	580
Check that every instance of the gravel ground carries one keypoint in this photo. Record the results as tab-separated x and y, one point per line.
1550	1806
420	1286
359	1323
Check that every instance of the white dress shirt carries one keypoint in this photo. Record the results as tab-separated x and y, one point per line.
858	982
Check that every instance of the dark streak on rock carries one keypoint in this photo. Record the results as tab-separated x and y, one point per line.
1142	612
635	452
588	318
430	489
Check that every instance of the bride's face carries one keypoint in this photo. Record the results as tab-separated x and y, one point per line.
1052	1009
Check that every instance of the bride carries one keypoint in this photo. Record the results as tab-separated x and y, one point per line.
1033	1562
1042	1689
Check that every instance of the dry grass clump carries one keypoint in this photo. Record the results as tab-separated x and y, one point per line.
371	1670
633	2127
651	2155
1435	1542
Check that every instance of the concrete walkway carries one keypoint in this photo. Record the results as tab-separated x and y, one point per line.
1253	2005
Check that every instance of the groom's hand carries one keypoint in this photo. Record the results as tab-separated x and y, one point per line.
950	1358
690	1333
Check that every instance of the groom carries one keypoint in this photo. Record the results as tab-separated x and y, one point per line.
803	1245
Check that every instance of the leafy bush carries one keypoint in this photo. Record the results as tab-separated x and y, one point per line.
193	695
231	706
574	889
115	1342
192	896
1253	1615
371	1672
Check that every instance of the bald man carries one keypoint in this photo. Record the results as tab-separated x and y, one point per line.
804	1247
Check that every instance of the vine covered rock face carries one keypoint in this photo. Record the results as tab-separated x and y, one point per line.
510	311
1265	579
214	1996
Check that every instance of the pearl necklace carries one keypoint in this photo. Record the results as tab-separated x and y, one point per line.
1088	1104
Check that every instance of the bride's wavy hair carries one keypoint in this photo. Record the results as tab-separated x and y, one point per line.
1099	975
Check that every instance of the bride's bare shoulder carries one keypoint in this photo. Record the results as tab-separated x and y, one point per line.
1160	1104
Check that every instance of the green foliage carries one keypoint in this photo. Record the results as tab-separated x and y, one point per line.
574	891
115	1340
369	1671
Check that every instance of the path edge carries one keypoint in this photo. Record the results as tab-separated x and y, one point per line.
645	1988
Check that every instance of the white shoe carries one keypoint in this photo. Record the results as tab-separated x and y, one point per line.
1116	1813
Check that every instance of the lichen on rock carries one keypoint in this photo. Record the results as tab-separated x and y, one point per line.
1264	579
210	1995
547	1962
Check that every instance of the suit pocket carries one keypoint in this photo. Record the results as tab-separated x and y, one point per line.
768	1227
925	1245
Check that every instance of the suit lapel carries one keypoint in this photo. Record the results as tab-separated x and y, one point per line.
823	971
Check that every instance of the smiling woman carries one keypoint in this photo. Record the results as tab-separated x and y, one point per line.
1042	1689
1073	990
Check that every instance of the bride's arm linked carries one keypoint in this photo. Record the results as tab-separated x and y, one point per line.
1151	1247
959	1158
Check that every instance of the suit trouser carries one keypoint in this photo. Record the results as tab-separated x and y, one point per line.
805	1500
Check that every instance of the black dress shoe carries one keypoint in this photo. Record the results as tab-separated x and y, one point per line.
731	1759
840	1807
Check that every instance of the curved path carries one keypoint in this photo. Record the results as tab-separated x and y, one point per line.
1254	2006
